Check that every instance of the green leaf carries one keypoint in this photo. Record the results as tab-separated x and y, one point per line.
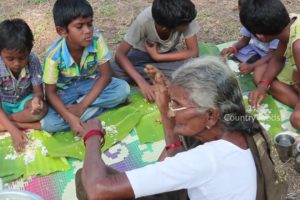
150	128
246	82
208	49
42	165
274	119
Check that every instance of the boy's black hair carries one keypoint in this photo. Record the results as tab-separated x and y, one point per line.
173	13
15	34
266	17
65	11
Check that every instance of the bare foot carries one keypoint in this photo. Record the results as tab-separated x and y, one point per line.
246	68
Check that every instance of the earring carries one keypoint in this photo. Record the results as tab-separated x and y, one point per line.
207	127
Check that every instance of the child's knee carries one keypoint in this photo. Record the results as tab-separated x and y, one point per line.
123	90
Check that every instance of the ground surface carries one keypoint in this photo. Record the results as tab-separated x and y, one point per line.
218	20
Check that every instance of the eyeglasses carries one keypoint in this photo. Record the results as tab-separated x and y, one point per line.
172	110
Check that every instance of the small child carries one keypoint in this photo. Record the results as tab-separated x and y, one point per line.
269	20
251	52
152	39
21	91
77	73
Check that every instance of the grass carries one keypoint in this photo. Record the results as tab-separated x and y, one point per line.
37	1
108	8
119	36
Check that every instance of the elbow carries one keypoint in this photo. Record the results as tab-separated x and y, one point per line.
194	52
119	55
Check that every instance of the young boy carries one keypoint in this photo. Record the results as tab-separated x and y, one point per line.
77	74
270	20
152	39
251	52
21	92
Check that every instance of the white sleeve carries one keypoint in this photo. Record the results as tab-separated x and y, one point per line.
185	170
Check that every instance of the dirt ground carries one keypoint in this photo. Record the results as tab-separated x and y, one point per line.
218	19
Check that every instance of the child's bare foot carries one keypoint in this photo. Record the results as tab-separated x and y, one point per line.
246	68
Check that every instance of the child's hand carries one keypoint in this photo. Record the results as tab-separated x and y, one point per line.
76	109
227	51
19	139
77	126
152	50
37	105
246	68
257	96
147	90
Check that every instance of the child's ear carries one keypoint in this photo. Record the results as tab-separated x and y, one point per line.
61	31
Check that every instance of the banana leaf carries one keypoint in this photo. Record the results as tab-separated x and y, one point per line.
273	123
64	144
118	123
150	128
11	169
246	82
123	121
208	49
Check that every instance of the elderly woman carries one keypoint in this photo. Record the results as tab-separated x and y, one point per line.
203	102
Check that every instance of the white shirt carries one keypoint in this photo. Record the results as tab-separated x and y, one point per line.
214	170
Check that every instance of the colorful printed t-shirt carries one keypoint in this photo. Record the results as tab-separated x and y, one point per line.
286	73
13	90
62	70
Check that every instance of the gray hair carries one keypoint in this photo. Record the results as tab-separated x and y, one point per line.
211	84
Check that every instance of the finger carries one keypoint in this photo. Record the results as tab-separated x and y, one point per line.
260	100
25	136
150	71
251	99
150	98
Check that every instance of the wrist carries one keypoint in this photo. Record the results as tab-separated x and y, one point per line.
234	49
264	84
92	134
173	145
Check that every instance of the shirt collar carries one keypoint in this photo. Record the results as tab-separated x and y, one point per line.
5	71
67	58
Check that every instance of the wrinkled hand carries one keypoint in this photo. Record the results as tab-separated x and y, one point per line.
246	68
161	85
77	126
151	48
19	139
147	90
226	52
37	105
92	124
257	96
76	109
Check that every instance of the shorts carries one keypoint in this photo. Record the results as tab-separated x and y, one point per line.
10	108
